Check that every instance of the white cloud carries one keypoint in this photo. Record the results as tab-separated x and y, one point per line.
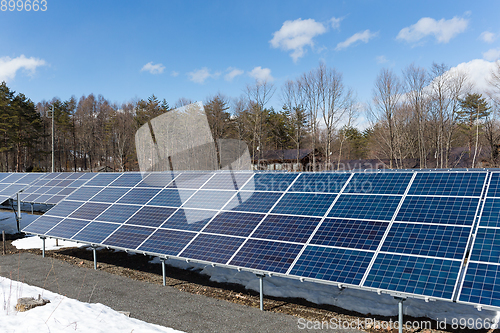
478	71
335	22
488	37
200	75
364	36
153	69
492	54
10	66
295	35
232	73
381	59
261	74
174	74
443	30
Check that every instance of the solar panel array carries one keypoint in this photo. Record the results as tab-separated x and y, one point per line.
11	183
405	232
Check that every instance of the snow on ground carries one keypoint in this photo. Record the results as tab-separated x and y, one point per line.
361	301
63	314
35	242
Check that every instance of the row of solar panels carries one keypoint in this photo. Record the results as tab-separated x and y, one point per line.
404	232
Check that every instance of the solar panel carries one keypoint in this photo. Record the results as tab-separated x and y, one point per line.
432	277
332	264
371	207
400	232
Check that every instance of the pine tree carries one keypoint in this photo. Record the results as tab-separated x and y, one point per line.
474	108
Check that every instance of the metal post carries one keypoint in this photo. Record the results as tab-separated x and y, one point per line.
18	212
53	138
261	285
43	246
3	241
95	256
31	208
400	306
163	271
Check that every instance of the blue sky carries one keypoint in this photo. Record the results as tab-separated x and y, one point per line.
128	49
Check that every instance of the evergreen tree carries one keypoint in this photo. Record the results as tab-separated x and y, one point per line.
473	109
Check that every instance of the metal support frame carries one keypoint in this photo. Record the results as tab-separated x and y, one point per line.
43	245
400	316
94	250
261	289
32	204
163	270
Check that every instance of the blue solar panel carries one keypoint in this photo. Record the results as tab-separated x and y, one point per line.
490	216
157	179
270	182
118	213
64	208
486	246
209	199
374	207
96	232
218	249
313	204
227	181
494	186
234	224
89	211
480	284
102	179
151	216
138	196
110	194
84	193
320	182
444	210
189	219
266	255
68	228
171	198
456	184
256	202
379	183
129	237
167	242
330	264
128	180
192	180
42	224
428	240
417	275
356	234
287	228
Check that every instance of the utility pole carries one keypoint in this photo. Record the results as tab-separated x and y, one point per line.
53	139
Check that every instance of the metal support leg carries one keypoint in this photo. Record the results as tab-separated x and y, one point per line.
261	285
95	256
163	271
32	208
400	306
43	246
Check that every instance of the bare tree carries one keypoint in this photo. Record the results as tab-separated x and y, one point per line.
387	97
416	80
259	94
293	103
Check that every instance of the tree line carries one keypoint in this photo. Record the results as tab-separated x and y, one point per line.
418	118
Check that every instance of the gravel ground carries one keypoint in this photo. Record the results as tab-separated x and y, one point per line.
245	318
